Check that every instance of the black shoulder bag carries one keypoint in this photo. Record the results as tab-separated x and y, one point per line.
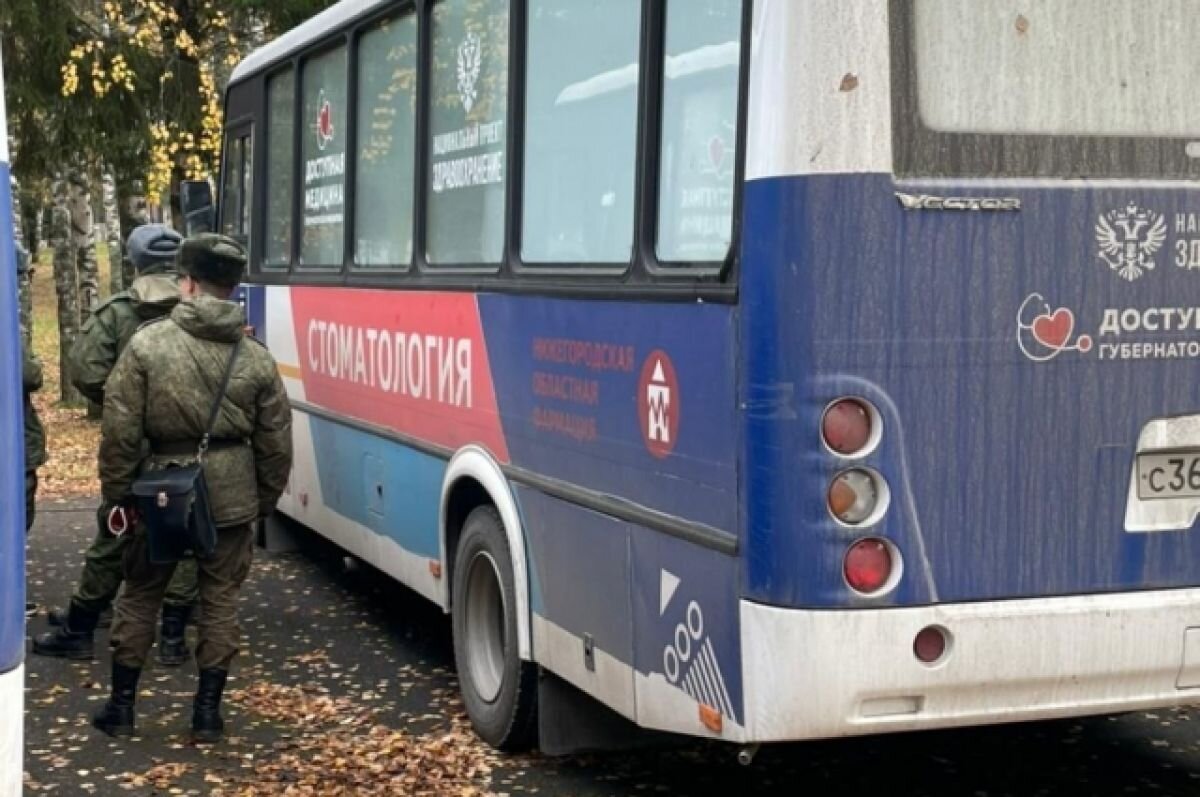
173	501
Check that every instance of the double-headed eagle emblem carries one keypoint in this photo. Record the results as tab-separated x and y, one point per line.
470	63
1129	239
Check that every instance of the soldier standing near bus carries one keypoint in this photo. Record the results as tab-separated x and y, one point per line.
152	250
35	433
156	409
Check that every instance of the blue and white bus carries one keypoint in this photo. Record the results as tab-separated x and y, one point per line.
764	369
12	495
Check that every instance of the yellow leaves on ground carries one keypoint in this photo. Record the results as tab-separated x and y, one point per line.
293	704
342	752
162	776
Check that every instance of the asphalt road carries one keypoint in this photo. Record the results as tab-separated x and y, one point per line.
361	653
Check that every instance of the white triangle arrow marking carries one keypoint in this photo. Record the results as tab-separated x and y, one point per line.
658	376
667	585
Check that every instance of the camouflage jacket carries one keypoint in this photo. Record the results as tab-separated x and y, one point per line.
159	396
35	434
110	327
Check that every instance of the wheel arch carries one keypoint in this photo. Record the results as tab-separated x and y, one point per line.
473	477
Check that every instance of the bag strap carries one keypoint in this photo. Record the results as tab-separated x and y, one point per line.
216	407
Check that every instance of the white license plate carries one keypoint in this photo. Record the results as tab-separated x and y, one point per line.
1171	474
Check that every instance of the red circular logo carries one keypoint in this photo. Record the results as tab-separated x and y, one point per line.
658	404
324	122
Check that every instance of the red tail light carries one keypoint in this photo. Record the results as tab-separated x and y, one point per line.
930	644
847	427
868	566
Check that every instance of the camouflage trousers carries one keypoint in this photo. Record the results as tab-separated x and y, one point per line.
103	572
31	484
220	579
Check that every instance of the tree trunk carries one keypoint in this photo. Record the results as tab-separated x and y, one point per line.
83	242
134	212
18	218
24	283
39	228
66	286
32	205
113	235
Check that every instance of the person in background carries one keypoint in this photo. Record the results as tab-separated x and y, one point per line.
156	408
152	249
35	433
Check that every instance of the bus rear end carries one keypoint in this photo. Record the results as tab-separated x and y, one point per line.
971	328
12	486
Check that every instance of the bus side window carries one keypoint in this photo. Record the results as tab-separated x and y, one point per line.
324	166
386	129
581	123
236	191
699	143
468	172
281	98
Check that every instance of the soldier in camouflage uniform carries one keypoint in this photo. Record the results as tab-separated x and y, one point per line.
35	434
156	408
35	442
152	248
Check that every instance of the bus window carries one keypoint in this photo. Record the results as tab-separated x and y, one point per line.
280	150
698	150
467	169
247	184
581	122
1009	88
324	151
387	94
1051	68
235	194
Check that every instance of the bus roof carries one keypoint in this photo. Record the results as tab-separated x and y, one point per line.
302	35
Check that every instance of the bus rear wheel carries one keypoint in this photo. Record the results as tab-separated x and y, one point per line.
499	690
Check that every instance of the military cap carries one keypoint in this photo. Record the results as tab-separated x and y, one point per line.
216	259
152	245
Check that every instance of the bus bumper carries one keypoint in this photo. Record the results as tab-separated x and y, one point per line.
12	743
812	674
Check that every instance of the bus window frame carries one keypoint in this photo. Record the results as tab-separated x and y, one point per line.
656	75
518	92
424	140
644	278
236	129
258	223
324	272
369	24
966	155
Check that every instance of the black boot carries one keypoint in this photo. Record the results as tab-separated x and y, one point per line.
73	640
116	716
172	647
207	725
58	618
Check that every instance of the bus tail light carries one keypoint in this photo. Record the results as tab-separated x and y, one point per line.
868	566
853	496
930	644
848	427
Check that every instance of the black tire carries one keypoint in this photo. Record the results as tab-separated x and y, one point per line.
498	689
